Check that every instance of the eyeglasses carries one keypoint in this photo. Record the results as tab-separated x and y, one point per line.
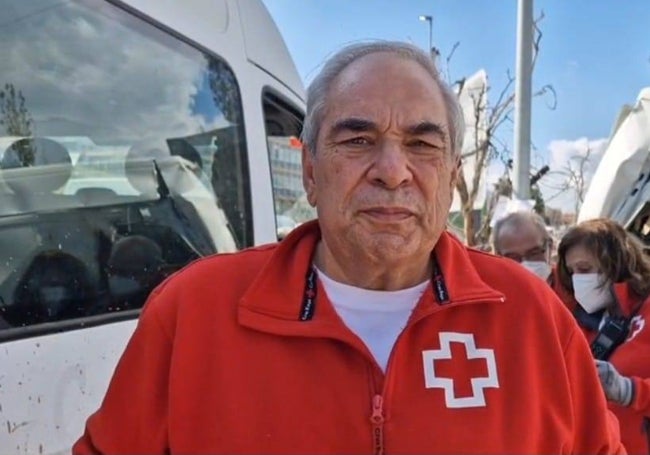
534	254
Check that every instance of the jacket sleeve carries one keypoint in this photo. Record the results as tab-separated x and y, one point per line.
132	416
596	429
641	400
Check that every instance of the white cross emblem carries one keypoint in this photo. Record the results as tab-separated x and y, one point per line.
479	384
636	325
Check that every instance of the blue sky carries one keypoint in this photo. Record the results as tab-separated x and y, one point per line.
595	53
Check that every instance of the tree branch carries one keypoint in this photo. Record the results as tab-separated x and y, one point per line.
538	37
449	57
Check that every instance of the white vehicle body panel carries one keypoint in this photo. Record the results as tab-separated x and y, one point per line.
50	384
619	186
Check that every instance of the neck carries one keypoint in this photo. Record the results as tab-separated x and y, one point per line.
372	273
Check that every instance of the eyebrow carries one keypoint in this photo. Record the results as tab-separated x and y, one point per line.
359	125
538	247
427	128
353	124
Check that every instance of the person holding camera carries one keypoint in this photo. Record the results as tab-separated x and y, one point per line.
609	276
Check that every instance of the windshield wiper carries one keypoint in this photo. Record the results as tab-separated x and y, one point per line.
162	188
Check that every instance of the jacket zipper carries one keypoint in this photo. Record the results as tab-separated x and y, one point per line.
377	416
377	420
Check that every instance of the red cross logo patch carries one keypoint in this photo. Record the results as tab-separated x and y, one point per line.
463	376
636	325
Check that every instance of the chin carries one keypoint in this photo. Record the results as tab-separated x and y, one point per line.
392	246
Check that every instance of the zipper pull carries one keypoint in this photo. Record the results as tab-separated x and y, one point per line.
377	420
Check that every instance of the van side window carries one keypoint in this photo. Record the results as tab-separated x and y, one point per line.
122	158
283	128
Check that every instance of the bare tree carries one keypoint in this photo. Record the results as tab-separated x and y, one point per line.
573	177
485	144
15	117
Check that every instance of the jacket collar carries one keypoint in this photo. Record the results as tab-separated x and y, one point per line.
627	300
278	290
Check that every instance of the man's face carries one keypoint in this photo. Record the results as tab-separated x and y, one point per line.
382	175
523	243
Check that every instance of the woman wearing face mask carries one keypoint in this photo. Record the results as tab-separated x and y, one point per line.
609	276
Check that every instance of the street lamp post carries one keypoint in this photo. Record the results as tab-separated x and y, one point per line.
521	181
429	19
433	51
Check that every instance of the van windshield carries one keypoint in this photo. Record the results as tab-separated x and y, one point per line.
110	128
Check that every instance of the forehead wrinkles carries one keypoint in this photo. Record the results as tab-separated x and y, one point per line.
382	68
385	120
391	107
390	75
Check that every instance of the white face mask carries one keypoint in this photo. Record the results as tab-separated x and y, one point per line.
540	268
588	293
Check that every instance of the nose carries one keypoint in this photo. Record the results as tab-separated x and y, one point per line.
390	167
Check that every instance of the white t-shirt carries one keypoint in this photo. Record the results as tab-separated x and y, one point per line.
377	317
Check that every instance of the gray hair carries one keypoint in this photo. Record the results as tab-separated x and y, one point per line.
320	86
515	221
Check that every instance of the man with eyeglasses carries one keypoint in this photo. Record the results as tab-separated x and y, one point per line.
522	237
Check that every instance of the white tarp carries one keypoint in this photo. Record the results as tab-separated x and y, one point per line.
473	95
627	157
505	206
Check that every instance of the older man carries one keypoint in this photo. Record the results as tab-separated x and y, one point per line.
369	330
522	237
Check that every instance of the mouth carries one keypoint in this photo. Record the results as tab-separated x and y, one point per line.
388	214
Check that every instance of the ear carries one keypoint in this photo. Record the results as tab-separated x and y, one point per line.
455	172
549	250
308	179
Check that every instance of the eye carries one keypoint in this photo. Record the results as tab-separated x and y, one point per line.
582	268
423	145
419	143
358	140
512	257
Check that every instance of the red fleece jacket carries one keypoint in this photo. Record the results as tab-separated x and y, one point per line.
632	358
221	363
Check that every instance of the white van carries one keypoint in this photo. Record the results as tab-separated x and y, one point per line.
133	139
620	187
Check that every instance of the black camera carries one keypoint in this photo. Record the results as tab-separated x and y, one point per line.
609	337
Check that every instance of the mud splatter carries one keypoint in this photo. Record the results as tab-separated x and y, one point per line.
12	427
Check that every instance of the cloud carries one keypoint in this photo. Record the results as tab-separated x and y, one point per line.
84	74
570	157
494	171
